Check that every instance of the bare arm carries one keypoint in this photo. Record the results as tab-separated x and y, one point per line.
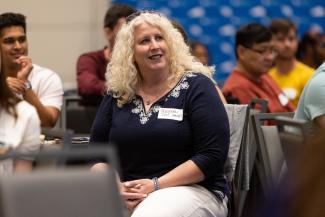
185	174
136	191
48	114
320	121
22	165
222	97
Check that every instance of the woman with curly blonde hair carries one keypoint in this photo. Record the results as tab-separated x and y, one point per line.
122	74
168	121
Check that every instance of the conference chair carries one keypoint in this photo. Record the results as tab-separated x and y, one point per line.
293	135
259	104
238	117
76	116
68	192
269	159
241	156
242	185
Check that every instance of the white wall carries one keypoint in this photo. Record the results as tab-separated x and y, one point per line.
59	31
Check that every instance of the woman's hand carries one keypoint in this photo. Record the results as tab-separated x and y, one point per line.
136	191
132	195
144	186
132	192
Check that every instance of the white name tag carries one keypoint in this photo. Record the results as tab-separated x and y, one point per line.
283	99
171	114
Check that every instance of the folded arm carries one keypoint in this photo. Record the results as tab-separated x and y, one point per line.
47	114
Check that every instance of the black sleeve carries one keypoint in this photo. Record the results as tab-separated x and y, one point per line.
101	126
210	126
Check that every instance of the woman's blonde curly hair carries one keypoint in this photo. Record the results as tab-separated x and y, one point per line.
122	76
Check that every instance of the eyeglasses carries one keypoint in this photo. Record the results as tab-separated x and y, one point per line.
138	13
264	51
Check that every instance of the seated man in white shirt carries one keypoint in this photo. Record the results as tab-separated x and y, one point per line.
39	86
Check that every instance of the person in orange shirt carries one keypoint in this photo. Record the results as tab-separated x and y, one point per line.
249	79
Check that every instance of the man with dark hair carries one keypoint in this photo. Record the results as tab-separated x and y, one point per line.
200	51
290	74
311	49
181	30
249	79
91	67
39	86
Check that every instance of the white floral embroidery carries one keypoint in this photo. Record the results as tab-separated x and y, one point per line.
139	109
144	117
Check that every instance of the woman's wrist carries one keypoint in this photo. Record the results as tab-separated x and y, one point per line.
156	185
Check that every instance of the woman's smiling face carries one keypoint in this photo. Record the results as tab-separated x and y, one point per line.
151	52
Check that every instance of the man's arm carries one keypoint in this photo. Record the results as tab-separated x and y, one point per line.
47	114
222	97
320	121
88	71
21	165
314	100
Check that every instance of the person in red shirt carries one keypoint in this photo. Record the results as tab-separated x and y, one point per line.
249	79
91	66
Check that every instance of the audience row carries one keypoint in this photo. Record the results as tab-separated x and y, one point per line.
158	103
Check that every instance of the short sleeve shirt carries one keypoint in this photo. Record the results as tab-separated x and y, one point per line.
312	101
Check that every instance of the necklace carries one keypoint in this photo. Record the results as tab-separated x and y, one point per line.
149	99
148	102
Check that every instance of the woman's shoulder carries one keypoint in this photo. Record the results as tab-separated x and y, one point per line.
108	97
197	78
196	75
26	116
108	100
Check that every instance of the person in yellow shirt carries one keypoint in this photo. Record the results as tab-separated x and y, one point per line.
290	74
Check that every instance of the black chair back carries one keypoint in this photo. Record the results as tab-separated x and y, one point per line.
76	116
269	159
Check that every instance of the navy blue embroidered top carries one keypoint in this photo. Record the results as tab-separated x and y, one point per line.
150	146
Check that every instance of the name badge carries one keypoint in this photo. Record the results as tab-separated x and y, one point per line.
171	114
283	99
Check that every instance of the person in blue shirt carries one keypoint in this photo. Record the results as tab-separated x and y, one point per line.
164	114
311	106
